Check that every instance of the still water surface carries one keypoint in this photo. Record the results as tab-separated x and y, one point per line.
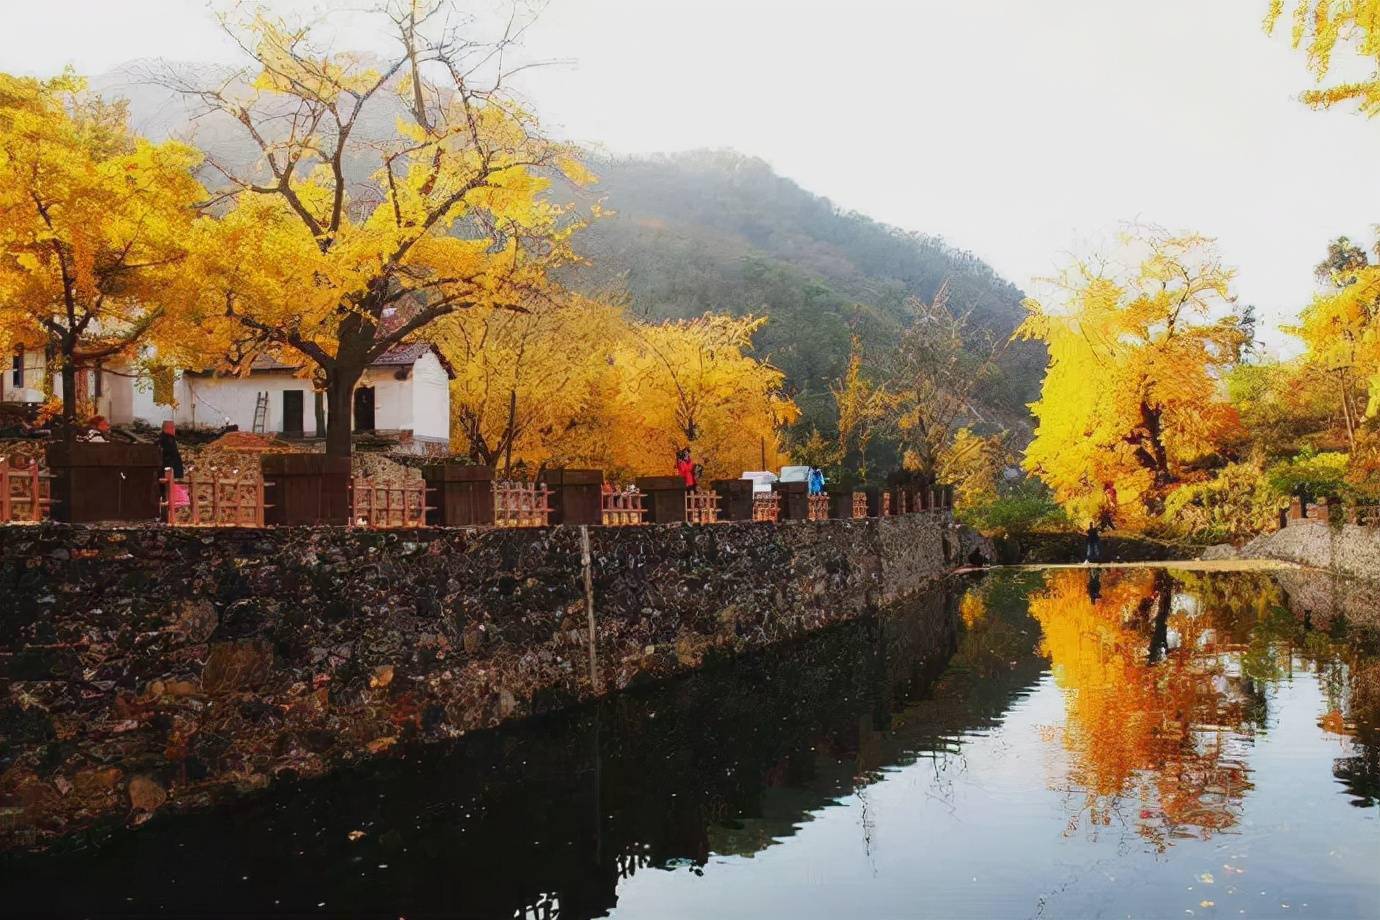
1060	744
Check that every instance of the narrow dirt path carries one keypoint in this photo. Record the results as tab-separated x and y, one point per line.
1192	565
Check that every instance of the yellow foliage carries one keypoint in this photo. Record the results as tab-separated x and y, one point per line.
695	383
524	381
1320	27
973	464
93	224
1341	329
1133	390
578	383
862	409
972	608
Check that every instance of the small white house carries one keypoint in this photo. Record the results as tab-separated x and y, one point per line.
28	374
406	390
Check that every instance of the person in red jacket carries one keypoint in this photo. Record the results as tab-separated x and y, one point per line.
685	467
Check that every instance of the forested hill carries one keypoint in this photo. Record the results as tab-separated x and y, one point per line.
720	231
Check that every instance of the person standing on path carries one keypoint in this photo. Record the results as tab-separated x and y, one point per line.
1094	550
172	457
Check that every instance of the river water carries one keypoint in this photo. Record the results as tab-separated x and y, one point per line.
1125	743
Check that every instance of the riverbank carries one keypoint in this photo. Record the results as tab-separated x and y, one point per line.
156	668
1346	549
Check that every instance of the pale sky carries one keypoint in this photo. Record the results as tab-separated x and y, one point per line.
1018	129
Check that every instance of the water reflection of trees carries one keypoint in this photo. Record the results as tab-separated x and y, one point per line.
1165	676
1159	721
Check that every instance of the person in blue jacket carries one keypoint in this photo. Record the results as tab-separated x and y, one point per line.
816	481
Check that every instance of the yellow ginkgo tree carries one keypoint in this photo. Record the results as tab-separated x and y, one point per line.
1137	345
695	383
94	225
526	384
1341	329
384	195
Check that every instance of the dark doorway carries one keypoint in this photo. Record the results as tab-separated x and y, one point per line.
292	413
364	409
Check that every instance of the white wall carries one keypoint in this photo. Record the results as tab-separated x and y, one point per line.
210	401
430	400
30	388
392	398
420	403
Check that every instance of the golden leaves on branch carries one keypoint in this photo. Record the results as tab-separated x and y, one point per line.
1321	27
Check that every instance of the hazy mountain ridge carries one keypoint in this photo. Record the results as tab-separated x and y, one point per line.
717	230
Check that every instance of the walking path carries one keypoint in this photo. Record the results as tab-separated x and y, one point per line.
1193	565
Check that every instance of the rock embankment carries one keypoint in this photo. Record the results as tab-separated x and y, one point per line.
1346	549
148	668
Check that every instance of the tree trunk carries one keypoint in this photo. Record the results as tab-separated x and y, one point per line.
69	398
508	434
1159	456
340	396
1346	410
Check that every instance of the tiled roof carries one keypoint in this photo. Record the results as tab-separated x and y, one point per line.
404	355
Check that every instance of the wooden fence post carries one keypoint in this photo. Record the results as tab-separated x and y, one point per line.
169	516
35	495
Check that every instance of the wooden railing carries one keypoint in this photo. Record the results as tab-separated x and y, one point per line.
701	507
25	492
766	506
859	504
817	507
213	501
623	508
387	504
521	504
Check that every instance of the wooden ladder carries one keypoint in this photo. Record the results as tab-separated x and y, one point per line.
260	413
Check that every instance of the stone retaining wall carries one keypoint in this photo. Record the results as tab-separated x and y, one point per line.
1347	549
147	668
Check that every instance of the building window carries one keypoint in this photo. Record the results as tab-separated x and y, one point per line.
17	368
98	384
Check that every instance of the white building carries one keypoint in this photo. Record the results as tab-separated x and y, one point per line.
26	375
407	390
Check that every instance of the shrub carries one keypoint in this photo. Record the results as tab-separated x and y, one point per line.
1320	475
1236	504
1017	509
